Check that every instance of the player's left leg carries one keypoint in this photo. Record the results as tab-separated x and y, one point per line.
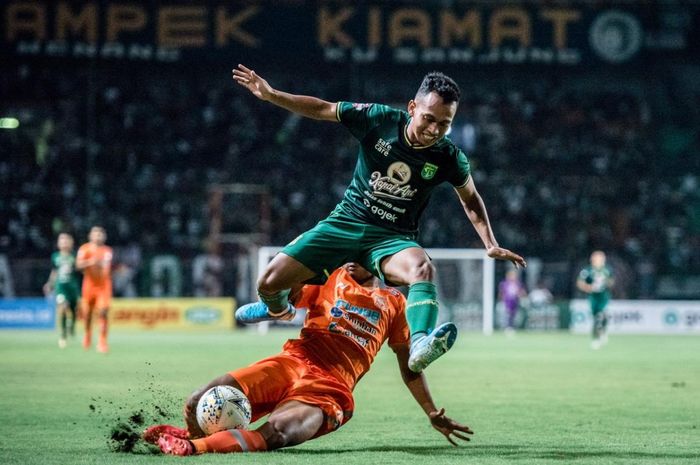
411	266
290	424
62	310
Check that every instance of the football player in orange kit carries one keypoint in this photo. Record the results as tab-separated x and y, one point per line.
95	261
307	388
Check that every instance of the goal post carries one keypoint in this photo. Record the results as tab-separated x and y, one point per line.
465	282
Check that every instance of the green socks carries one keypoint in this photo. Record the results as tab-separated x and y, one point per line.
421	308
277	302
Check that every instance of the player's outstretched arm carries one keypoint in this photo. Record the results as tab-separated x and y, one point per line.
475	209
304	105
417	384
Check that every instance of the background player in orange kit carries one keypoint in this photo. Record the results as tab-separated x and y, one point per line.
307	388
95	261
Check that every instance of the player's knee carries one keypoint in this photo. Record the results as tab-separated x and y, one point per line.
267	283
423	270
278	434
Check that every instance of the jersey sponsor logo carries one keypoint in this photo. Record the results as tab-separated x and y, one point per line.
370	315
336	312
383	147
361	106
428	171
334	328
395	184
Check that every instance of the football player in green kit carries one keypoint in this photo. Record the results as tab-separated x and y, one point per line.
596	281
63	281
403	156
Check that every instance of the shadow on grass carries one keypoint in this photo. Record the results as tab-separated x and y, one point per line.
502	450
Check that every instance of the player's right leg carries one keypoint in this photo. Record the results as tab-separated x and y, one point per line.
283	273
87	309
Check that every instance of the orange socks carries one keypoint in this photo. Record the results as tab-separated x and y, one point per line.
233	440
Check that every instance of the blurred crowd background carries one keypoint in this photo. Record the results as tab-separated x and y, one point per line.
568	159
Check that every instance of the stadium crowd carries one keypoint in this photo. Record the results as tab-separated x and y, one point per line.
564	164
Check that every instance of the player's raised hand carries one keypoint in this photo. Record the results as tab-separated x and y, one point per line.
251	81
499	253
448	427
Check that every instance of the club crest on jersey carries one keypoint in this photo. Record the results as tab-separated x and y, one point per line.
428	171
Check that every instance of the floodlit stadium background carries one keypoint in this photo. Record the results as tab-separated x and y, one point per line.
580	120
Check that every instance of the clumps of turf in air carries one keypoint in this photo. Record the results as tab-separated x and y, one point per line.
125	424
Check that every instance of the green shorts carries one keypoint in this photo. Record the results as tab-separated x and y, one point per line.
598	302
340	239
67	293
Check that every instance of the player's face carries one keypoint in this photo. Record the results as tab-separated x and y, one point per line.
65	242
431	118
598	259
97	236
358	273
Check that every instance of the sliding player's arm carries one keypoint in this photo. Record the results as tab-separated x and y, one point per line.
304	105
475	209
416	383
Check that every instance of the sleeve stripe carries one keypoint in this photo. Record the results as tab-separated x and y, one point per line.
465	182
337	111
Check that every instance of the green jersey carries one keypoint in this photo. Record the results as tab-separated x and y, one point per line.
599	278
393	181
65	268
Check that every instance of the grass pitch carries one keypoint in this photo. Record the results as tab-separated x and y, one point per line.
533	399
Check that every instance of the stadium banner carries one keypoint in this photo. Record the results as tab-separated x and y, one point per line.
27	313
401	32
641	316
172	313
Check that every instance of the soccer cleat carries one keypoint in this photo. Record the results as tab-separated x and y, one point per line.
175	446
87	341
153	433
429	348
595	344
258	311
62	343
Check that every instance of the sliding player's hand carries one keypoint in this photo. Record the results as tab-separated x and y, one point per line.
499	253
448	427
251	81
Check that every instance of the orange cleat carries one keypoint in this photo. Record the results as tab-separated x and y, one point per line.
153	433
87	341
175	446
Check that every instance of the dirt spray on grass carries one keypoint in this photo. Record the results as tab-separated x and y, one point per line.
124	422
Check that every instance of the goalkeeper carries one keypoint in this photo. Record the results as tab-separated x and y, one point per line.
307	388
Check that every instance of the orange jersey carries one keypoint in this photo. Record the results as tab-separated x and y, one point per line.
346	325
100	274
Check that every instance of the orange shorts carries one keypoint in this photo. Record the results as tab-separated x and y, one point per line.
290	376
96	298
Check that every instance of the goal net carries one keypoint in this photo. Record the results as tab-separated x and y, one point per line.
465	281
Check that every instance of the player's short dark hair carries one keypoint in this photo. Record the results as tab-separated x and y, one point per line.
441	84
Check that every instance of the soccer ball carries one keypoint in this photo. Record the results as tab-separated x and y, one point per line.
222	408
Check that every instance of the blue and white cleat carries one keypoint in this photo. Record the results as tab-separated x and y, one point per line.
429	348
257	312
